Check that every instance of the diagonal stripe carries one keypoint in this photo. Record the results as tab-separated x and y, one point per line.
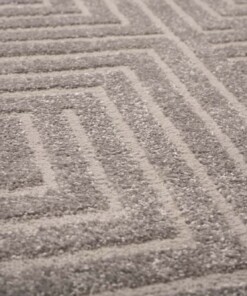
174	137
149	172
90	155
231	98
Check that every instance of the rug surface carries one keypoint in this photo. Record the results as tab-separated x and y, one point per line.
123	147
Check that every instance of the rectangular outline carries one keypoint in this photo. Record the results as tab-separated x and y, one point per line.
202	279
153	245
234	222
185	236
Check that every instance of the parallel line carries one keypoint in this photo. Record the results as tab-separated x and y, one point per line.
187	18
223	139
16	267
191	22
193	285
150	174
3	3
65	27
13	6
39	153
174	137
41	160
94	39
214	14
224	45
96	168
230	97
31	225
115	11
209	122
208	9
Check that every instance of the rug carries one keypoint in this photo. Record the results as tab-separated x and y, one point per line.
123	135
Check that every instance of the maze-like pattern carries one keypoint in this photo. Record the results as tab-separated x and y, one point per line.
109	21
123	151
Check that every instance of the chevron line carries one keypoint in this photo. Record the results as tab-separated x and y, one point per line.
174	137
219	86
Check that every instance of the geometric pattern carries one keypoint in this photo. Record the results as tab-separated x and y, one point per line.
129	176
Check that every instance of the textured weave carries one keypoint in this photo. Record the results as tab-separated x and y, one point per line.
123	159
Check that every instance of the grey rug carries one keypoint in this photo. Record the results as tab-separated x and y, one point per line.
123	135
